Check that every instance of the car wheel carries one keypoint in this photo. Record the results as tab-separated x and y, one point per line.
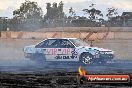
86	58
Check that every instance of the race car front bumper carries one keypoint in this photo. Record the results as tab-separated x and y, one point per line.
106	56
96	56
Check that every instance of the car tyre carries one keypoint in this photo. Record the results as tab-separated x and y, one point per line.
86	58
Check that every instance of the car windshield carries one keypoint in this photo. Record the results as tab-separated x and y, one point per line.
79	42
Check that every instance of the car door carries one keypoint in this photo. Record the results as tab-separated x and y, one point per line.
57	50
66	51
48	48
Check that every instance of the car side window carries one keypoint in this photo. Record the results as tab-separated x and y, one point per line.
50	43
41	44
64	43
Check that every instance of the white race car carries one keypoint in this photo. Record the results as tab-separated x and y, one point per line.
67	50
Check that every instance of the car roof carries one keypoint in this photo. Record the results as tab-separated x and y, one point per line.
61	38
54	38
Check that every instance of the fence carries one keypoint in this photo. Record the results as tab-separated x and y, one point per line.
83	35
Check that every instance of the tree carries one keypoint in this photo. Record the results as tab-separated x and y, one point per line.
28	10
111	12
72	13
4	23
54	11
54	16
28	17
60	10
93	13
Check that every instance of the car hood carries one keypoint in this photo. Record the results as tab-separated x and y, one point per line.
95	48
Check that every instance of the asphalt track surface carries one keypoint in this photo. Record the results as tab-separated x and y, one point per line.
27	66
28	74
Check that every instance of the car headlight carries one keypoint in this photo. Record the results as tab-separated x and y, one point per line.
106	52
96	51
